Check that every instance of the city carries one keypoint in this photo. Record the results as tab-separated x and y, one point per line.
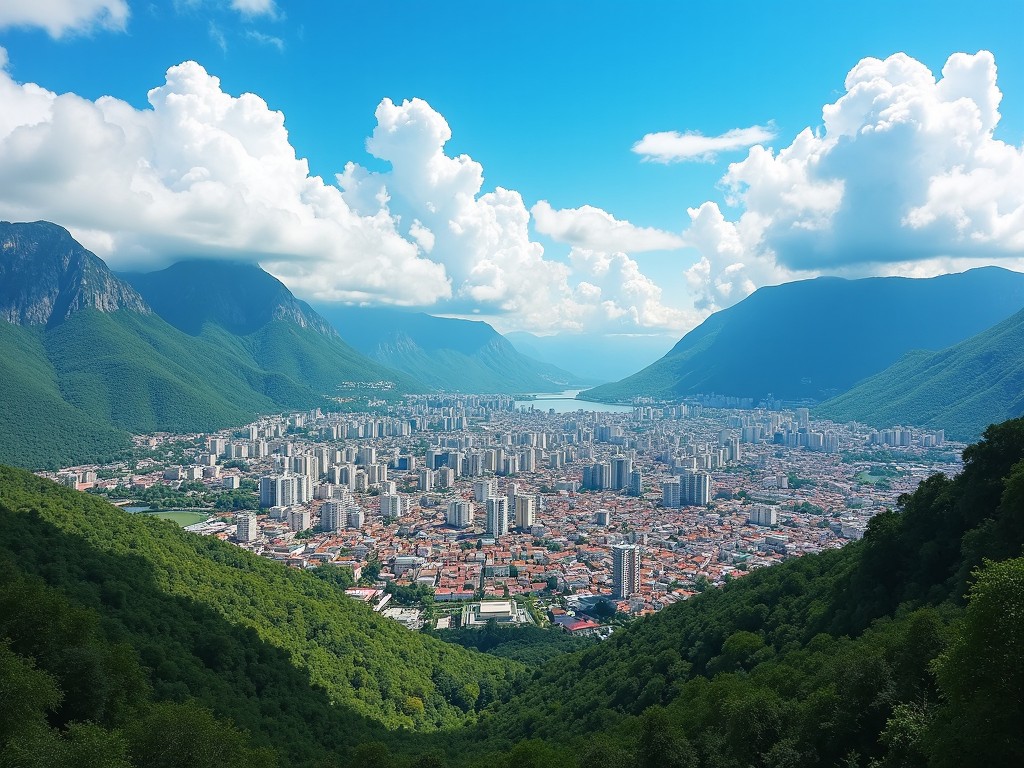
579	518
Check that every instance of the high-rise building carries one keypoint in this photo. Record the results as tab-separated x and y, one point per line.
331	515
526	512
460	514
597	477
620	469
670	494
426	483
763	514
484	489
355	517
299	520
445	477
625	570
497	516
636	483
284	490
245	526
390	505
696	489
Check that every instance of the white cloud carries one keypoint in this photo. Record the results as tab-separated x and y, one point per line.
484	238
905	175
270	40
673	147
61	17
204	173
615	296
198	173
594	229
255	7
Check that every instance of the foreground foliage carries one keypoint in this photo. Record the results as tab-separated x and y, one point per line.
121	635
202	623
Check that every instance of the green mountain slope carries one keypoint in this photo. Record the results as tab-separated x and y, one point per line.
446	353
241	306
813	339
961	389
37	426
240	298
84	360
285	655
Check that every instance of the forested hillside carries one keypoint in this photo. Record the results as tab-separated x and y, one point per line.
167	616
904	649
961	389
84	360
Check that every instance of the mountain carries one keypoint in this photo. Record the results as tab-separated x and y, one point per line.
813	339
150	632
251	314
84	359
596	358
240	298
961	389
446	353
46	276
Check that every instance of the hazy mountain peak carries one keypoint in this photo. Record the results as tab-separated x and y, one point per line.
239	297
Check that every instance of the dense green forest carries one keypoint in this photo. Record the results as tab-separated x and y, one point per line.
210	627
128	638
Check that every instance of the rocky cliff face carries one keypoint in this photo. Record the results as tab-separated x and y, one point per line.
46	276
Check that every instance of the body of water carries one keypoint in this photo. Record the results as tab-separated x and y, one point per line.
566	402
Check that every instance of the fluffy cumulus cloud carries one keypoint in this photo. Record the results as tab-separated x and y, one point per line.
200	172
62	17
614	294
674	147
204	173
484	238
905	175
594	229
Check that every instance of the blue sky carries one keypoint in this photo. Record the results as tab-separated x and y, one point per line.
549	99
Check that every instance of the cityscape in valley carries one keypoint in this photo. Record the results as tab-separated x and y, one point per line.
530	385
467	498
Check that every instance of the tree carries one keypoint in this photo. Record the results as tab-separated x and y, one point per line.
982	675
660	744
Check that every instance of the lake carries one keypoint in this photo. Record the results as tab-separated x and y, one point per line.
566	402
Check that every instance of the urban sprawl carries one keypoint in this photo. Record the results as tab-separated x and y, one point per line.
474	509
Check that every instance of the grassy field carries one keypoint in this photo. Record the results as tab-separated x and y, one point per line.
181	517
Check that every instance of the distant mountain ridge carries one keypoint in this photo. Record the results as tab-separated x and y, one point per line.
46	276
596	358
238	297
961	389
86	360
814	339
446	353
